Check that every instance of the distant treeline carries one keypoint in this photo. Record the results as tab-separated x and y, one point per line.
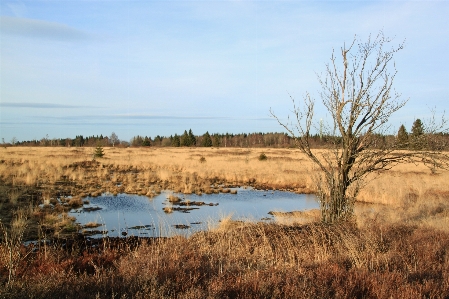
188	139
275	140
281	140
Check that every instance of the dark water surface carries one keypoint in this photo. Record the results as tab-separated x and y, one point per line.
136	215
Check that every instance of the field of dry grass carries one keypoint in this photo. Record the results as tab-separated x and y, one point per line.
59	172
246	261
399	247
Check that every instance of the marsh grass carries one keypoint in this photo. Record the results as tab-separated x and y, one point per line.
251	260
75	202
297	217
147	171
397	247
92	225
14	195
168	209
11	251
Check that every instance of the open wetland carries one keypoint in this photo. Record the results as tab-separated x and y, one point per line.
173	223
171	214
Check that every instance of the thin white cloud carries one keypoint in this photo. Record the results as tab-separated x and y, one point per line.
41	105
32	28
153	65
137	117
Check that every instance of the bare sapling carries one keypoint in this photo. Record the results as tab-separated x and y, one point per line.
12	238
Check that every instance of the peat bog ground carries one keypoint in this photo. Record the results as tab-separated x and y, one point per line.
398	247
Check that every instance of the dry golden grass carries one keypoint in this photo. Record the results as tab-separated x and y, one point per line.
92	225
398	249
421	196
299	217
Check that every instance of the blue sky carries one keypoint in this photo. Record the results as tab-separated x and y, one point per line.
160	67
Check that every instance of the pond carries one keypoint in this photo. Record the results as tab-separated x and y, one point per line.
126	215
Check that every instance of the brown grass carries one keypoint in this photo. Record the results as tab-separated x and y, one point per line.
397	249
92	225
250	261
147	171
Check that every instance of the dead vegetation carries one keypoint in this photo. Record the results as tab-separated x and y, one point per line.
63	176
397	248
248	261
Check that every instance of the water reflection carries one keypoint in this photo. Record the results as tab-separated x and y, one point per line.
125	214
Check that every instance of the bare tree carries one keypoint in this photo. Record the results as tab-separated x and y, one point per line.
357	92
114	139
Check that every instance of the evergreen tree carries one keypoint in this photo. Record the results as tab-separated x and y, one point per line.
137	141
417	128
98	153
192	138
146	141
402	137
185	139
417	134
79	140
207	141
175	141
216	141
158	140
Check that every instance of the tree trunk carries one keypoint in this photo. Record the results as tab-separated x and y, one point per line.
335	205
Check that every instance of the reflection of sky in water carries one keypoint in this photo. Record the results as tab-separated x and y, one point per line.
122	212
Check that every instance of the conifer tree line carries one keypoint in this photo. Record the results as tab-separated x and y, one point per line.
412	140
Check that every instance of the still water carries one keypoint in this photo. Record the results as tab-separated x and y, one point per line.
127	215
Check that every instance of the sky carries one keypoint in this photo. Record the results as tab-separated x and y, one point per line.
152	68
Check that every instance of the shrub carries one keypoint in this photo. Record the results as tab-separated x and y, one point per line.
263	157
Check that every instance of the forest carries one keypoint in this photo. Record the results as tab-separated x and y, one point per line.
438	141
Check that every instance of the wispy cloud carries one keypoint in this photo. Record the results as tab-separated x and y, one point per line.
143	116
32	28
41	105
158	67
138	117
133	120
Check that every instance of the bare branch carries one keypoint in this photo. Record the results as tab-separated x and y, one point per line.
360	98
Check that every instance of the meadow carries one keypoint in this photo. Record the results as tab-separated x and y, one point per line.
398	247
